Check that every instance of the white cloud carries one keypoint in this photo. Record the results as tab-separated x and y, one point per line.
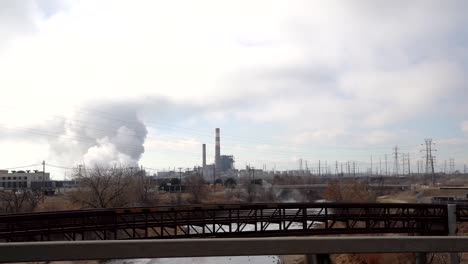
324	70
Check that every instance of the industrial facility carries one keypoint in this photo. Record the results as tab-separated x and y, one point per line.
24	179
223	166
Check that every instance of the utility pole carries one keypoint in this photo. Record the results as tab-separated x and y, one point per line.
380	165
396	165
336	168
319	170
371	165
43	181
386	165
180	179
253	173
409	166
403	164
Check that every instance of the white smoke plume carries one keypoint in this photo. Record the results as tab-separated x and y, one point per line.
102	135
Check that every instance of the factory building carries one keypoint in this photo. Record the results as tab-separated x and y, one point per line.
24	179
223	165
227	163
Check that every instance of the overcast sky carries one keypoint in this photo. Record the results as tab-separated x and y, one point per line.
147	82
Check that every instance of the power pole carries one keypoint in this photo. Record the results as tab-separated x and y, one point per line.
380	165
403	164
452	165
253	174
386	165
336	168
180	179
429	159
396	165
445	166
409	166
319	170
43	181
371	165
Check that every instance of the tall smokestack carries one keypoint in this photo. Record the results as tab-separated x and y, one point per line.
204	155
218	153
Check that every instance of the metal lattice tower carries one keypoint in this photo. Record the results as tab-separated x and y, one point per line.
452	165
429	158
396	166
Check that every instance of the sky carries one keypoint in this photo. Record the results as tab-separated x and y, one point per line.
145	83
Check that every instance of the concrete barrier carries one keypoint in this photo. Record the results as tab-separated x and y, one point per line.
118	249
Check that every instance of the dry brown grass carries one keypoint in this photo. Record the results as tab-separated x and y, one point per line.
56	203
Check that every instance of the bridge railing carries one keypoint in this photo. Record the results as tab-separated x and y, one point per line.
228	220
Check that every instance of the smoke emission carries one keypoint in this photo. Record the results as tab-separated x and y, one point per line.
101	135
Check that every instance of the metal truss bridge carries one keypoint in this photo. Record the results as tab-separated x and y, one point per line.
229	220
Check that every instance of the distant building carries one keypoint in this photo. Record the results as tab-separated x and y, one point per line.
227	163
208	172
168	174
24	179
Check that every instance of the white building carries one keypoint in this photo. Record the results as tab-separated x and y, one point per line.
23	179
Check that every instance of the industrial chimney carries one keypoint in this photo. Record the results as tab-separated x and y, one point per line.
217	153
204	155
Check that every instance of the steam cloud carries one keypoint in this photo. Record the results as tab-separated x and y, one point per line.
101	135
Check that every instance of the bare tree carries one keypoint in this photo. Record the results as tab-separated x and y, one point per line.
19	201
104	187
196	187
144	190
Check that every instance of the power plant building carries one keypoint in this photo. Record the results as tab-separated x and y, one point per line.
223	164
227	163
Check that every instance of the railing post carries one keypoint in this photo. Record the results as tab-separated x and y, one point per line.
452	229
318	259
421	258
311	259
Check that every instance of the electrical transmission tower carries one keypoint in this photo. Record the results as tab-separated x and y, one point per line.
429	158
396	162
403	164
452	165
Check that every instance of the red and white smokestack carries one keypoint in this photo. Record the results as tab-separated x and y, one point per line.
218	153
204	155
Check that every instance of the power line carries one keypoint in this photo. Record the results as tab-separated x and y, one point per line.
21	167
